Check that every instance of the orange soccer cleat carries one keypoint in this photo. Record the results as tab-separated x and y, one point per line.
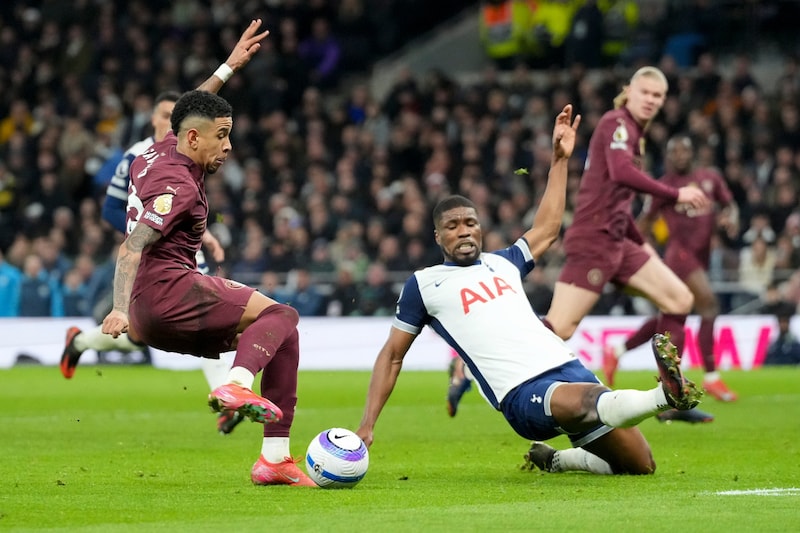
610	363
232	397
284	473
719	390
70	355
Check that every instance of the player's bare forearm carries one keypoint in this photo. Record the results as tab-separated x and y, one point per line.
248	44
381	385
547	222
128	259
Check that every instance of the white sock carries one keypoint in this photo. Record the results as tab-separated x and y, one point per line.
241	376
275	449
579	459
627	407
711	377
95	339
619	350
215	371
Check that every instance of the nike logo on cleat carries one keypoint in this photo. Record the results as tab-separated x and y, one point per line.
290	478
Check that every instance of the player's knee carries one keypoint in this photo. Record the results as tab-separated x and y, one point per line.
564	330
286	313
681	304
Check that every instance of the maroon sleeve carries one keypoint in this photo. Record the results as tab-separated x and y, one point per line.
622	169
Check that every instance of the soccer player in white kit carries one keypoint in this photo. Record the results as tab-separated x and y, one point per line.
475	301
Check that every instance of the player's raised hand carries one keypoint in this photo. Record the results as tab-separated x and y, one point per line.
248	44
564	133
694	196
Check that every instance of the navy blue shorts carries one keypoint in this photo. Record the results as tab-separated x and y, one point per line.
527	407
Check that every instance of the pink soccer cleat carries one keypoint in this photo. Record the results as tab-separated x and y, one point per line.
232	397
284	473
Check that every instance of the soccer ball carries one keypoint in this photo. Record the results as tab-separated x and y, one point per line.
337	458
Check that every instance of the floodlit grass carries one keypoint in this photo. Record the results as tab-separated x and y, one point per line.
135	449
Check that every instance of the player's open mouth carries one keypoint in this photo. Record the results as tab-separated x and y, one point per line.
465	247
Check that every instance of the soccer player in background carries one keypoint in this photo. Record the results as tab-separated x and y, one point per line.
687	254
603	243
476	302
115	209
161	299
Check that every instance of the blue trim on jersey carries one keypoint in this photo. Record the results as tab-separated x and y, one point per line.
520	256
476	373
411	294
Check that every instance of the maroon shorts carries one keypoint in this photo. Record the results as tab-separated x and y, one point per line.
190	313
683	262
591	263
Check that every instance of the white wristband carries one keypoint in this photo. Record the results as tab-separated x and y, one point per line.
224	72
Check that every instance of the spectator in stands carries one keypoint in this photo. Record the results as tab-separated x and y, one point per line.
785	349
756	266
40	294
322	54
343	301
376	297
10	288
302	294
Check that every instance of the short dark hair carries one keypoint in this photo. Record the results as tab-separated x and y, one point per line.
200	104
451	202
167	96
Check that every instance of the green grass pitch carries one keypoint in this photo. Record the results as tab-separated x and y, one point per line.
121	448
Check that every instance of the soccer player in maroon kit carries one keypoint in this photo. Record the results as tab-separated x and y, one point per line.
687	254
603	243
161	299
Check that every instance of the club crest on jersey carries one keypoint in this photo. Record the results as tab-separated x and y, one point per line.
163	204
619	139
483	293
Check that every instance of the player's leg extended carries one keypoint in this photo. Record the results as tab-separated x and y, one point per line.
707	306
671	295
264	326
570	304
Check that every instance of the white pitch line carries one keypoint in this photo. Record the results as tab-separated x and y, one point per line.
791	491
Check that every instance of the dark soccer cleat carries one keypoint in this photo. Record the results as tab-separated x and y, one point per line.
681	393
692	416
540	455
454	393
232	397
227	421
456	389
70	355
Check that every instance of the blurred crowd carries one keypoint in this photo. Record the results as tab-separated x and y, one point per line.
325	201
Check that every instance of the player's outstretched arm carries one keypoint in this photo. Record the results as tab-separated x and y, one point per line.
249	43
128	259
547	222
384	376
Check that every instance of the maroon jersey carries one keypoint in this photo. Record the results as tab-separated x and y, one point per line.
690	229
611	178
167	193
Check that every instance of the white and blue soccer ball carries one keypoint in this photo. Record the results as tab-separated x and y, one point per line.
337	458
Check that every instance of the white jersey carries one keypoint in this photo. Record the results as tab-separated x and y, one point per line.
483	313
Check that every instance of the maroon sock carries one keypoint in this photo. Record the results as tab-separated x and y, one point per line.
279	384
705	341
642	335
260	341
673	324
547	324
